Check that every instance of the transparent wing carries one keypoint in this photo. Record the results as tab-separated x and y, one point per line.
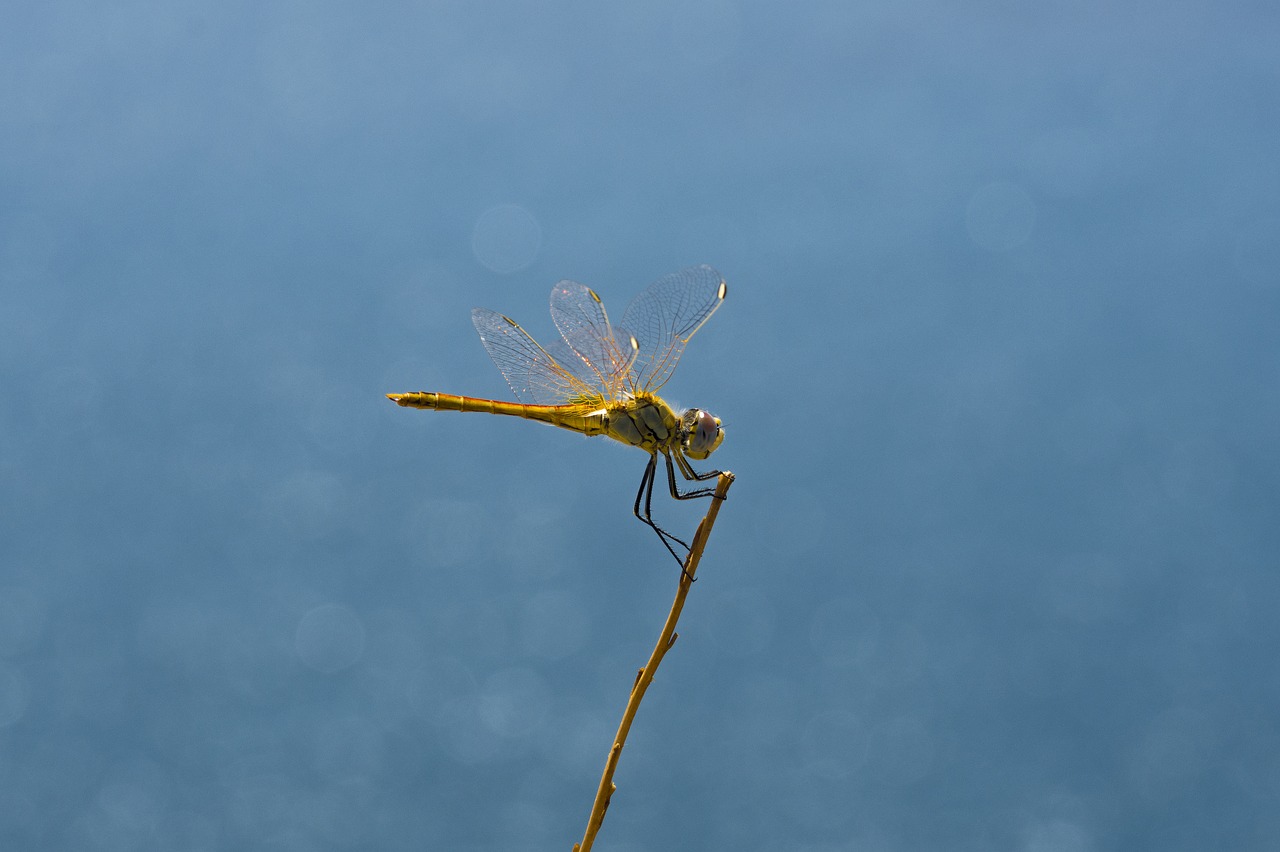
665	316
533	374
603	355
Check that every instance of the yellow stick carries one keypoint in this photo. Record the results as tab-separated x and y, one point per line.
665	640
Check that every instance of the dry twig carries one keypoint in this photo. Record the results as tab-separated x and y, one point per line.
665	640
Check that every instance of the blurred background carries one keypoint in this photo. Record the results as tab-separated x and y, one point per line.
998	368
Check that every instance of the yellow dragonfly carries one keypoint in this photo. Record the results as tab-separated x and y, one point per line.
601	379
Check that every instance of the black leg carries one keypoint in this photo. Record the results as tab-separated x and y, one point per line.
645	495
688	472
646	484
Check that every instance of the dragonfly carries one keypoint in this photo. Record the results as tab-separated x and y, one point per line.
602	379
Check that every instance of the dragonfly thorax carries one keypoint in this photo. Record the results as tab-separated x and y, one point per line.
643	421
647	422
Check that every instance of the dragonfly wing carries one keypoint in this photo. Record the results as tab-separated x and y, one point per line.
533	374
666	315
602	354
566	357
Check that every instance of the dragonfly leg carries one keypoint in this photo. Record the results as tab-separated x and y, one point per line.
645	495
687	471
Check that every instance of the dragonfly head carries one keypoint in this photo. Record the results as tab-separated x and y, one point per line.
701	433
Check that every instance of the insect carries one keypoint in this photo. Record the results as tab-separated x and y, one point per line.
601	379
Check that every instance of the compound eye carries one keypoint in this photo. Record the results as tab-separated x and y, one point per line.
708	428
705	436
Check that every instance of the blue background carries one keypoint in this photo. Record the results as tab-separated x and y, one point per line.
998	368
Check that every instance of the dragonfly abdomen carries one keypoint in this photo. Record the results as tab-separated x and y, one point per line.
565	416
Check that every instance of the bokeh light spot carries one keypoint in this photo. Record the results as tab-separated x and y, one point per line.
901	751
1057	836
844	632
447	532
330	638
553	624
514	702
506	238
836	744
